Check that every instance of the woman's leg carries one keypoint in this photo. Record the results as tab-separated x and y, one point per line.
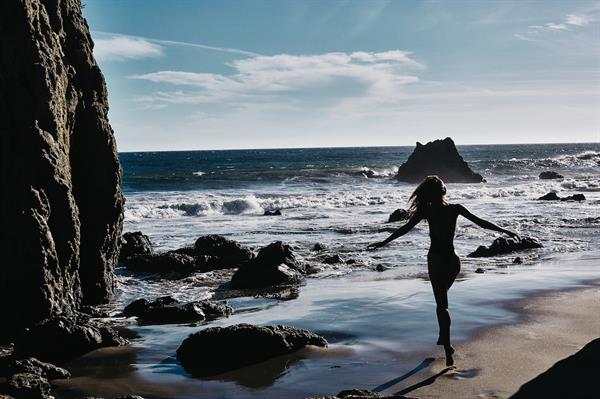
442	273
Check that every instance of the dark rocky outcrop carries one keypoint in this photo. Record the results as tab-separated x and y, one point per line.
168	310
333	259
135	243
61	205
172	263
27	386
441	158
547	175
274	212
318	247
573	377
552	196
202	353
211	252
398	215
505	245
34	366
274	264
359	394
226	253
59	339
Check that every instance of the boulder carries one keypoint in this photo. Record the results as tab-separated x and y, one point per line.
171	262
274	264
28	386
441	158
60	338
225	253
34	366
552	196
318	247
548	175
168	310
204	353
135	243
275	212
333	259
398	215
505	245
59	169
517	260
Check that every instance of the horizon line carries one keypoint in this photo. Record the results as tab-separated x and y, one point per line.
347	147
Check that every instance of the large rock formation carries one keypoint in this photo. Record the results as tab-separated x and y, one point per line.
441	158
60	204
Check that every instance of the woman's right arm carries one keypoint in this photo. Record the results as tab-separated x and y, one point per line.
412	222
484	223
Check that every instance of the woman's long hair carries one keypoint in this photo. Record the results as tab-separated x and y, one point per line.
431	191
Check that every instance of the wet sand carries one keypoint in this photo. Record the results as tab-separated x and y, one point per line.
382	330
498	360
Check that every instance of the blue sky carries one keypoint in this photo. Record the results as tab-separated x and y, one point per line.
263	74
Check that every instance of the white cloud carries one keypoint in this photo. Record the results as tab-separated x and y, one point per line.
577	20
119	48
324	78
571	21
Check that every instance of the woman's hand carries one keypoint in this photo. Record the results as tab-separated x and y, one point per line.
376	245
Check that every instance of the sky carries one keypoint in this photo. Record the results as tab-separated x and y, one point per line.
194	75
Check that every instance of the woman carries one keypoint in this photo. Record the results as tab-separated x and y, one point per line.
428	202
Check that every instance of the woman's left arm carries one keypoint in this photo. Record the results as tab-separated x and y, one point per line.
484	223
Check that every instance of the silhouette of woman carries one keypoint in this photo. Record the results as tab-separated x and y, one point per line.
428	202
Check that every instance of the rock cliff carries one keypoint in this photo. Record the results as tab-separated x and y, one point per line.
61	206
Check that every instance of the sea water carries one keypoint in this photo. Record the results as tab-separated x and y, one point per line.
342	197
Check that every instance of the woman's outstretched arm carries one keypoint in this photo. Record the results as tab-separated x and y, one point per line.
412	222
484	223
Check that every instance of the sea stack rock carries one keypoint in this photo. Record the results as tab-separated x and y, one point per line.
441	158
61	206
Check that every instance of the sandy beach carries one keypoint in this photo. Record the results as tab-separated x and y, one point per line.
498	360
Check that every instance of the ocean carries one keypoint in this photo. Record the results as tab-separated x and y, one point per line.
342	197
379	325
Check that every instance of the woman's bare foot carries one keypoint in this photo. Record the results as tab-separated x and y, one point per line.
449	352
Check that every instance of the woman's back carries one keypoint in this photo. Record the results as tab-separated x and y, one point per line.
442	225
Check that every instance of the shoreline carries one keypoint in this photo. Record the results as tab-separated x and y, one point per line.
497	360
359	355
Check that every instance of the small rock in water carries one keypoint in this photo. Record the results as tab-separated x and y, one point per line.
380	268
275	212
480	270
547	175
318	247
351	261
518	260
205	353
398	215
274	264
333	259
552	196
505	245
135	243
168	310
